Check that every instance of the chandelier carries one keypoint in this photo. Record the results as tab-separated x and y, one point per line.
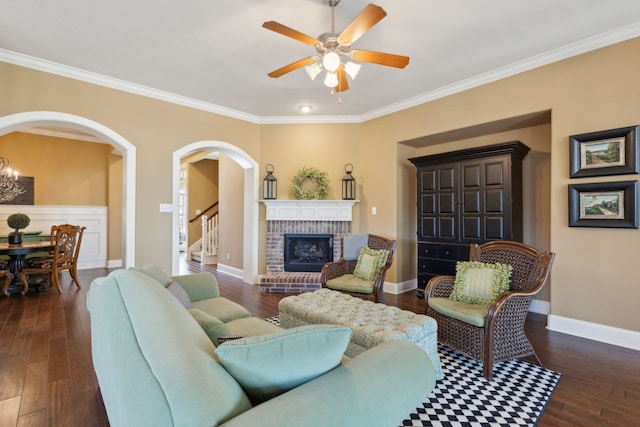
10	186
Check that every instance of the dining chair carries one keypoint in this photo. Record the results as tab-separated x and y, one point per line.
66	240
8	276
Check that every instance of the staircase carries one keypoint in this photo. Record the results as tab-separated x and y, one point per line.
205	249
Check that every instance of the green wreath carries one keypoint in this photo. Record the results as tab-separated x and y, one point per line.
315	175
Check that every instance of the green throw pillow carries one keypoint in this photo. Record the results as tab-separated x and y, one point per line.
480	283
155	272
214	327
370	262
269	365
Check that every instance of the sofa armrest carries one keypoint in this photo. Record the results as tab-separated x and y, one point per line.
199	286
379	387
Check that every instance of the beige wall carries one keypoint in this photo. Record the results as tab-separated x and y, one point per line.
66	172
590	92
115	230
231	213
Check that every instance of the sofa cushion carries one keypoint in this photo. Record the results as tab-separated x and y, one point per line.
269	365
222	308
214	327
370	262
178	291
161	361
479	282
350	283
155	272
247	326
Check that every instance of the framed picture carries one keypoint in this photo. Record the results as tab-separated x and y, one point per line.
604	204
610	152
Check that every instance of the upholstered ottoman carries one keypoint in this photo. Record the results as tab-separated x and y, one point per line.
370	322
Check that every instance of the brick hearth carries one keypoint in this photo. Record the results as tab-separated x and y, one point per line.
278	280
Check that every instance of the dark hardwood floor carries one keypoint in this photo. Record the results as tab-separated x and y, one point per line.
47	379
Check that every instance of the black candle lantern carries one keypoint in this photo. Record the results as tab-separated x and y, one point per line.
348	184
270	185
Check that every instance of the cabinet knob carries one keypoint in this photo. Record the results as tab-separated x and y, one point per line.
446	252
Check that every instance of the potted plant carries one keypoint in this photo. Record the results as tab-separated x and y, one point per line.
17	221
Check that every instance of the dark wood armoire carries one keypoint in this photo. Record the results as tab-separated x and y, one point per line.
466	196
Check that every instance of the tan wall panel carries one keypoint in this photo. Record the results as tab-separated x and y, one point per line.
66	172
231	212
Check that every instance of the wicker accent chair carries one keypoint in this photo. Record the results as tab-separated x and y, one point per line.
342	267
503	336
66	240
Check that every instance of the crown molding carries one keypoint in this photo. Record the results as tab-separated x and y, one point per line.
583	46
113	83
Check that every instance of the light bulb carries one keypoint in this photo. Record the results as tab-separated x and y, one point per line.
331	80
352	69
313	70
331	61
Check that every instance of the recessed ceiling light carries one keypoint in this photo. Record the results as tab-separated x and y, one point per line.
305	108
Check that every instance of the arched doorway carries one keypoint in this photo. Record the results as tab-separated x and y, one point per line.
19	121
251	209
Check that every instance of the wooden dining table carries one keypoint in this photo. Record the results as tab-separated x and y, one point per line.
17	254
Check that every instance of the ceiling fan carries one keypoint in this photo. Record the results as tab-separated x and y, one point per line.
334	53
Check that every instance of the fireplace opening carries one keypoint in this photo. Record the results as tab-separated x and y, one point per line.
307	252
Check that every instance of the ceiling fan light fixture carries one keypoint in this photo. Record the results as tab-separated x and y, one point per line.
331	61
352	69
313	70
331	80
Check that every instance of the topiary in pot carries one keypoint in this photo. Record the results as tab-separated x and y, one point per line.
17	221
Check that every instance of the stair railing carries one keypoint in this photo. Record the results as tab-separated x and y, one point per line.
209	237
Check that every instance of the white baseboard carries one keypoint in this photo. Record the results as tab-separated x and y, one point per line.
400	288
231	271
540	307
594	331
114	263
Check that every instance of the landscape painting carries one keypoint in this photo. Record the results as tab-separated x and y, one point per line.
602	205
599	154
609	152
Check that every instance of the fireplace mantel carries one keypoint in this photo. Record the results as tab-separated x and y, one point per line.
309	210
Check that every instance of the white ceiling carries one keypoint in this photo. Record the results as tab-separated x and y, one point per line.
215	55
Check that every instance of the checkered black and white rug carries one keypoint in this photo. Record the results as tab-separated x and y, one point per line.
517	395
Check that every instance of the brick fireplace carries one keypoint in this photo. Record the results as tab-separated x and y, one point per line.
308	217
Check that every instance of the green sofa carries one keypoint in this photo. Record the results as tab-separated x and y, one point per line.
156	365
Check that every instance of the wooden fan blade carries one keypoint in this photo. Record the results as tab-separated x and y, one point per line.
342	79
291	67
290	32
380	58
369	17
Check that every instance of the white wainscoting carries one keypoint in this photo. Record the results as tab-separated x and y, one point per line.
93	251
